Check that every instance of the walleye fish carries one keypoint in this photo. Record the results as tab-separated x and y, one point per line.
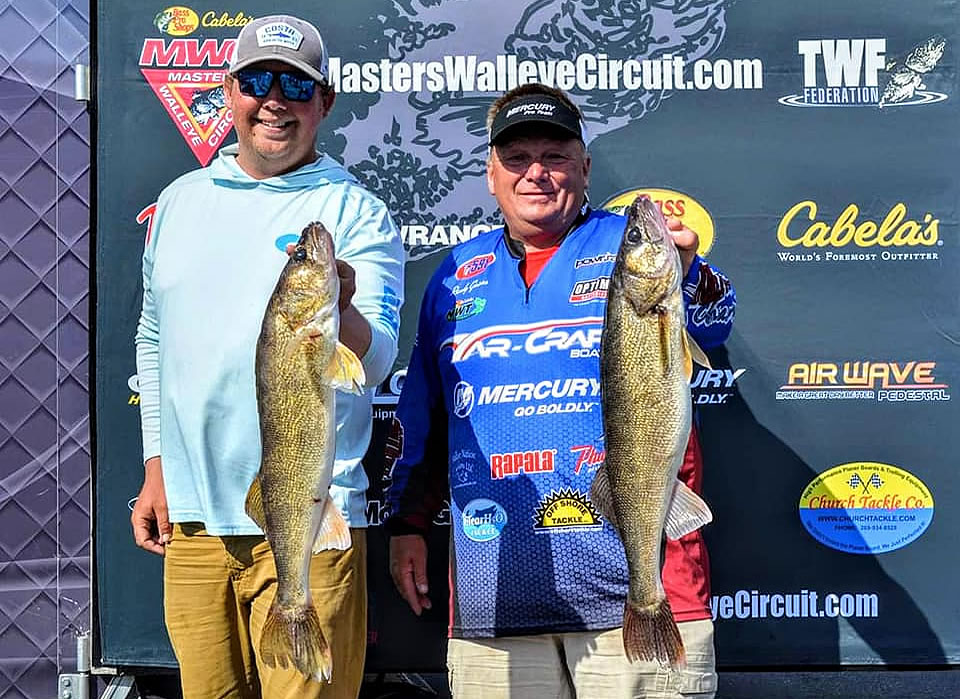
645	367
299	364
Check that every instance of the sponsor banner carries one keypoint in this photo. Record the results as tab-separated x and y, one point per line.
884	382
804	604
566	510
714	386
849	72
866	508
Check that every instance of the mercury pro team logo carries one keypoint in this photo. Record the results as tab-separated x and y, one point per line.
566	510
187	75
857	73
672	203
866	507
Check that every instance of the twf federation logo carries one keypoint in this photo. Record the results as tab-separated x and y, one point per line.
857	73
187	77
885	382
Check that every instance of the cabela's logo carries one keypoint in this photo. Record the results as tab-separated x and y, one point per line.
672	203
822	238
566	510
857	73
187	75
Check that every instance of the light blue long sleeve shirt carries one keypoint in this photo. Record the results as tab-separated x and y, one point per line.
210	265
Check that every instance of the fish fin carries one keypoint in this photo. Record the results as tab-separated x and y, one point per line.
345	371
650	634
254	504
696	352
665	340
294	343
292	635
687	513
334	532
601	495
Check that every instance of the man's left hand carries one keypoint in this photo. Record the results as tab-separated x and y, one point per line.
686	241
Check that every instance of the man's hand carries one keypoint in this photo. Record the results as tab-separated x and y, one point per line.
408	567
151	524
686	241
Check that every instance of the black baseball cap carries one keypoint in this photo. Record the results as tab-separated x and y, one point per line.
544	109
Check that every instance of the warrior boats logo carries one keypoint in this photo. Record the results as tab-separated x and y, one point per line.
187	75
857	73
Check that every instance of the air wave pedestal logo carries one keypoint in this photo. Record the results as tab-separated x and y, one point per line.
187	75
858	73
866	507
672	203
885	382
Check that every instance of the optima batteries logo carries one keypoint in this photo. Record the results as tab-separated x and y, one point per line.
866	507
672	203
858	73
885	382
854	236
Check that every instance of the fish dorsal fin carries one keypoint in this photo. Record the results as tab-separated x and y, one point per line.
345	371
695	351
254	504
688	512
601	495
334	532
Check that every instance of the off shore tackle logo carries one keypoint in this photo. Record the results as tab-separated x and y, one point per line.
566	510
806	235
866	507
187	75
672	203
858	73
884	382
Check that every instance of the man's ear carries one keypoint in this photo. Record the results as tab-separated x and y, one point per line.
228	89
327	98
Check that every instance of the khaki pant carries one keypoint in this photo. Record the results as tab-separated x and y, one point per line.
585	665
217	591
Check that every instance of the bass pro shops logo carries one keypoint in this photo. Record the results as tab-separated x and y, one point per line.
186	75
858	73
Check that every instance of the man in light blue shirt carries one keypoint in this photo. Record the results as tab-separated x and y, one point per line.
210	263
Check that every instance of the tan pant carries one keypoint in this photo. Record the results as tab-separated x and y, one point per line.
217	591
585	665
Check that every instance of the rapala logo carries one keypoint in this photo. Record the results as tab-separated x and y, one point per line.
857	73
579	338
892	382
475	266
516	463
193	98
587	290
802	226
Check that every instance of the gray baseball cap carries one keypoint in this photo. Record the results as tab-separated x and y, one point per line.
282	38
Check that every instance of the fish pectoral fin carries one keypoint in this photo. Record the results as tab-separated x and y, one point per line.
601	495
345	371
687	513
695	352
334	532
293	344
254	504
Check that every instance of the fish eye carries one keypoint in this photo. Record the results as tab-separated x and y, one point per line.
635	234
300	254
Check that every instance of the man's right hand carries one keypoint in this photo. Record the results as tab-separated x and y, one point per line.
151	524
408	567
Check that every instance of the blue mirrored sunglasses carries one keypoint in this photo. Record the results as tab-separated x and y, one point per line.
295	86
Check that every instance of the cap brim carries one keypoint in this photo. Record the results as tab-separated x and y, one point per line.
548	125
289	60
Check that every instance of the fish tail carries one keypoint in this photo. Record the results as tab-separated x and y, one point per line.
651	634
292	635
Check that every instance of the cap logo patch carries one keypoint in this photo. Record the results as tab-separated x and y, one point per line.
534	109
279	34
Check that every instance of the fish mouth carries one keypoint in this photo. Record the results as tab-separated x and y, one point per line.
315	244
645	222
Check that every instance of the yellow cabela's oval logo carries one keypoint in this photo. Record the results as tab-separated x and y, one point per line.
801	226
671	203
176	21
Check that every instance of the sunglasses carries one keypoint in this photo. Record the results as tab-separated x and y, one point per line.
295	86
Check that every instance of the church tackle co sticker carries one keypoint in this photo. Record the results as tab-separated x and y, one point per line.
186	75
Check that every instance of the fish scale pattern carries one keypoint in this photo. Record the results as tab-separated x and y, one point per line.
44	338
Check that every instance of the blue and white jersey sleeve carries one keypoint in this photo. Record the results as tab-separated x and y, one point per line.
711	303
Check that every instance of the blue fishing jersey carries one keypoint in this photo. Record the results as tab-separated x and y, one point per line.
502	402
